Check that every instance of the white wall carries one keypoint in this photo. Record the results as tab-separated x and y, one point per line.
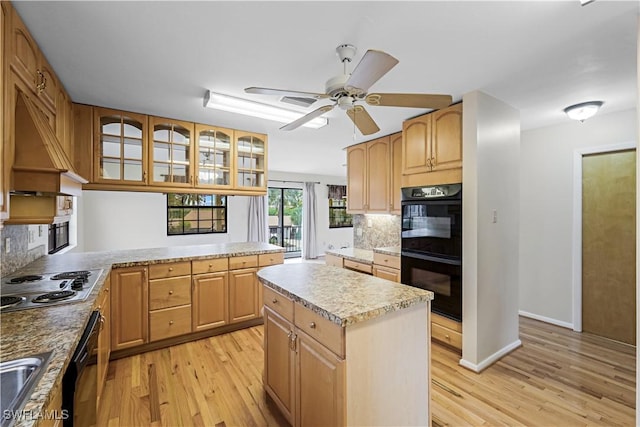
546	208
491	135
336	237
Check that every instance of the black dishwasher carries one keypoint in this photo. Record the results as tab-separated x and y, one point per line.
78	388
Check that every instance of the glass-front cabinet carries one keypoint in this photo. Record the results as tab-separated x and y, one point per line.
251	158
214	155
120	147
171	152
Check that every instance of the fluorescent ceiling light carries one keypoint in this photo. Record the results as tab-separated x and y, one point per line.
586	2
257	109
583	111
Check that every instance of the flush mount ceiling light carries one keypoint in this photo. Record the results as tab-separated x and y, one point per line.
583	111
256	109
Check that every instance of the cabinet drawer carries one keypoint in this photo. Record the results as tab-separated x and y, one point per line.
248	261
446	336
358	266
322	330
169	322
386	273
169	292
446	322
386	260
213	265
270	259
278	303
334	260
158	271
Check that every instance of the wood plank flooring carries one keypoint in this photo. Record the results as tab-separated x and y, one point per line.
557	378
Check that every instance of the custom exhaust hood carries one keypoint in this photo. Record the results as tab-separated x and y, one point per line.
40	164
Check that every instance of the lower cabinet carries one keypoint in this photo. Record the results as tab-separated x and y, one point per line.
446	331
279	363
53	412
104	342
129	307
392	274
210	296
169	300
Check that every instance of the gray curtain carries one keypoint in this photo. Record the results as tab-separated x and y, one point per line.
258	228
309	221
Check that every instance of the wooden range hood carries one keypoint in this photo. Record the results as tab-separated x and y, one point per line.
40	164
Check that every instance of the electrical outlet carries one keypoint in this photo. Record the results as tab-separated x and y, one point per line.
359	231
40	230
32	236
369	223
7	245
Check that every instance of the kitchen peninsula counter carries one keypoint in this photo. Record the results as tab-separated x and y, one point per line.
58	328
366	339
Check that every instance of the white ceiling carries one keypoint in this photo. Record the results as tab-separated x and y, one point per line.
160	58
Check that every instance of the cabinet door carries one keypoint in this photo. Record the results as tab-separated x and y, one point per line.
104	342
446	138
396	173
320	381
356	178
120	147
47	84
378	176
24	53
64	122
171	153
214	155
243	295
416	149
279	366
251	160
129	307
4	190
210	300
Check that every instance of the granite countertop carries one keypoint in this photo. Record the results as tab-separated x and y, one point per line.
364	256
340	295
58	328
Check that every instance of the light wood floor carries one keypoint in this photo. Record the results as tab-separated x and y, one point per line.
557	378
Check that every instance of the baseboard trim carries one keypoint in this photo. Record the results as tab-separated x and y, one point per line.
546	319
491	359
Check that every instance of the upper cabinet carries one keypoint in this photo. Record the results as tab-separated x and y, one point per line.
171	152
357	178
432	148
120	147
214	157
251	160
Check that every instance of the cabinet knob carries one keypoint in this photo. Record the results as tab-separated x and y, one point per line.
448	338
312	325
106	289
170	292
275	300
210	265
170	268
170	322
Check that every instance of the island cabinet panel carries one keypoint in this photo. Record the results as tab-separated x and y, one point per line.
243	295
322	330
279	366
210	295
129	305
278	303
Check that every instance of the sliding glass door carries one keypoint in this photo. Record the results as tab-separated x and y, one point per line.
285	219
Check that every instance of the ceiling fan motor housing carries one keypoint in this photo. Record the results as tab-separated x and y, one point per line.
335	85
346	52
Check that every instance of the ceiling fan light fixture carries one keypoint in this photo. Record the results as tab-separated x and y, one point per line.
583	111
246	107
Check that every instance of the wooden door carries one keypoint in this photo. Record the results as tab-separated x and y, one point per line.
356	178
104	342
210	300
279	362
243	295
129	307
608	245
320	384
378	176
446	138
416	145
395	141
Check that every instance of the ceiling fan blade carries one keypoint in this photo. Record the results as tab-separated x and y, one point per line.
284	92
373	65
413	100
362	120
308	117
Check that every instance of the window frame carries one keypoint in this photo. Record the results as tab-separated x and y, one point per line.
53	245
198	207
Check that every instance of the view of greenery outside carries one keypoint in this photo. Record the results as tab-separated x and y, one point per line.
285	218
196	214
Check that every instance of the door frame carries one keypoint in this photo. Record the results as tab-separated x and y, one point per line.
576	249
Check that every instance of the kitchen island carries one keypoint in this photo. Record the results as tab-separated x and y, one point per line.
343	348
57	329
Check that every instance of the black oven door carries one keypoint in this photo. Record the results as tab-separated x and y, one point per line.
432	227
443	277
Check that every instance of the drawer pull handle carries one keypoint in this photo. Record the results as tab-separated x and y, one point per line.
275	300
170	292
170	268
312	325
170	322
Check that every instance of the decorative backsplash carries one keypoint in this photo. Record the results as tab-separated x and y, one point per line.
19	254
384	231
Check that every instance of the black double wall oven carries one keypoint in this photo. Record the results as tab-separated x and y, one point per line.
432	244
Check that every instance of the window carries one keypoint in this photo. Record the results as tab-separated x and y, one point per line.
338	216
58	237
285	219
196	214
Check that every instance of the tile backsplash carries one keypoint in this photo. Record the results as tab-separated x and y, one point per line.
376	231
19	254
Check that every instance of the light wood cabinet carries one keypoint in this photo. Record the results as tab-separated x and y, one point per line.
210	300
170	152
4	190
395	142
433	143
243	295
251	161
357	178
104	342
214	157
446	331
279	363
392	274
336	261
357	266
54	415
378	176
169	300
129	307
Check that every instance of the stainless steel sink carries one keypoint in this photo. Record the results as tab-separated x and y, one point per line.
17	379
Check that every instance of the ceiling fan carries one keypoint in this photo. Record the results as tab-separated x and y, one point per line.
346	90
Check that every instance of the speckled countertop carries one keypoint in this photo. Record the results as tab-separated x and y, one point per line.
58	329
340	295
364	256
